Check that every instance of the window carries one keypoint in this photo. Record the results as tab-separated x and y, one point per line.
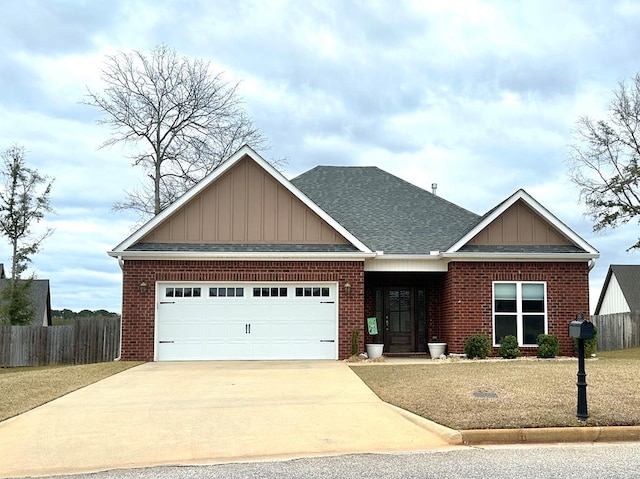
323	292
269	292
520	310
182	292
226	292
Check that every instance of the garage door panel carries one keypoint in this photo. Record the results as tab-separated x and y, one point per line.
253	322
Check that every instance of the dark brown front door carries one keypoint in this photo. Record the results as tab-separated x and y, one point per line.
399	320
401	313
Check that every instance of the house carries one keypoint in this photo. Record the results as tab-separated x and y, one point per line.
250	265
40	295
620	291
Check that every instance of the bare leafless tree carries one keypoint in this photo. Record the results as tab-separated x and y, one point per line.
183	119
604	160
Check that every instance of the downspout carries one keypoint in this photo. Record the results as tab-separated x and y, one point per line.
118	358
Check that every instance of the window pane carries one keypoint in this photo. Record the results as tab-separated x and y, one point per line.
533	291
265	291
187	292
394	300
533	325
196	292
504	291
505	306
307	291
533	298
178	292
505	297
533	306
239	291
298	291
405	321
394	319
325	292
405	300
256	292
316	291
231	292
222	292
213	292
169	293
506	325
283	291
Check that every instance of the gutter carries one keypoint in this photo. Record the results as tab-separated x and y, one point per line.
195	256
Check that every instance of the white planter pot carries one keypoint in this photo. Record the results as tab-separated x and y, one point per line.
436	349
374	350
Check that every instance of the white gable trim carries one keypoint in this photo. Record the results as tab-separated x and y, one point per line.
212	177
535	206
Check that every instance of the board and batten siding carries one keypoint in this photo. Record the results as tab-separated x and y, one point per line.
519	225
245	205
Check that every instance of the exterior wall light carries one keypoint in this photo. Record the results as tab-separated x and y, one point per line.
142	287
347	288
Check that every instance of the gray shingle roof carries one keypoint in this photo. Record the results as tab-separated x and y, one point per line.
385	212
628	277
244	248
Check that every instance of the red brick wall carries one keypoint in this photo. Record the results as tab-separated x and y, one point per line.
138	309
466	299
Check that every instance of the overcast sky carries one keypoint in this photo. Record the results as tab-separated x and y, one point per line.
479	97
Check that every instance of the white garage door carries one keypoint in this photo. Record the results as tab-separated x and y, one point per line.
234	321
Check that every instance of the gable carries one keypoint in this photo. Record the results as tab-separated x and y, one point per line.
613	299
245	205
519	225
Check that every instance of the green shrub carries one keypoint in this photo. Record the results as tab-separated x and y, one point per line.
477	346
548	346
509	347
355	347
590	345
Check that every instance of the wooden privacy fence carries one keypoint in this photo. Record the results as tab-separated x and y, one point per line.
83	342
617	331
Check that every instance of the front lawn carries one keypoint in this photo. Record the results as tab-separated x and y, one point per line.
23	389
512	393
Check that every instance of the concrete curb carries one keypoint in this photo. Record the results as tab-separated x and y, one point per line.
451	436
550	435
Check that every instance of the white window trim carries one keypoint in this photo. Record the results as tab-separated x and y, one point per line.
518	313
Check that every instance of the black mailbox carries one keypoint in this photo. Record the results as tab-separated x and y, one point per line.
581	329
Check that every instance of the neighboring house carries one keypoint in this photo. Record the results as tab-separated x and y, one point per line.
250	265
620	291
40	299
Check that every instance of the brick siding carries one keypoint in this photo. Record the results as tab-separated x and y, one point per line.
467	294
138	308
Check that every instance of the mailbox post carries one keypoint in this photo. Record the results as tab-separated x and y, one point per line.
581	329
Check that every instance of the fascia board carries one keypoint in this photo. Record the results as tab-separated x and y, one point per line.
219	171
538	208
229	256
524	257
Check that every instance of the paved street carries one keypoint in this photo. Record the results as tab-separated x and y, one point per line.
585	461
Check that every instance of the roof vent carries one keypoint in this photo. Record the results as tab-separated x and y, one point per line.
434	187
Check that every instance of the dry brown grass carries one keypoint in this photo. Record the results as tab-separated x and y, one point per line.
531	393
25	388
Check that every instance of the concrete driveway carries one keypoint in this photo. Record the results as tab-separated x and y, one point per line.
208	412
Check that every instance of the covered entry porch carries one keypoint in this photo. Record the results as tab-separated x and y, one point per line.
407	308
